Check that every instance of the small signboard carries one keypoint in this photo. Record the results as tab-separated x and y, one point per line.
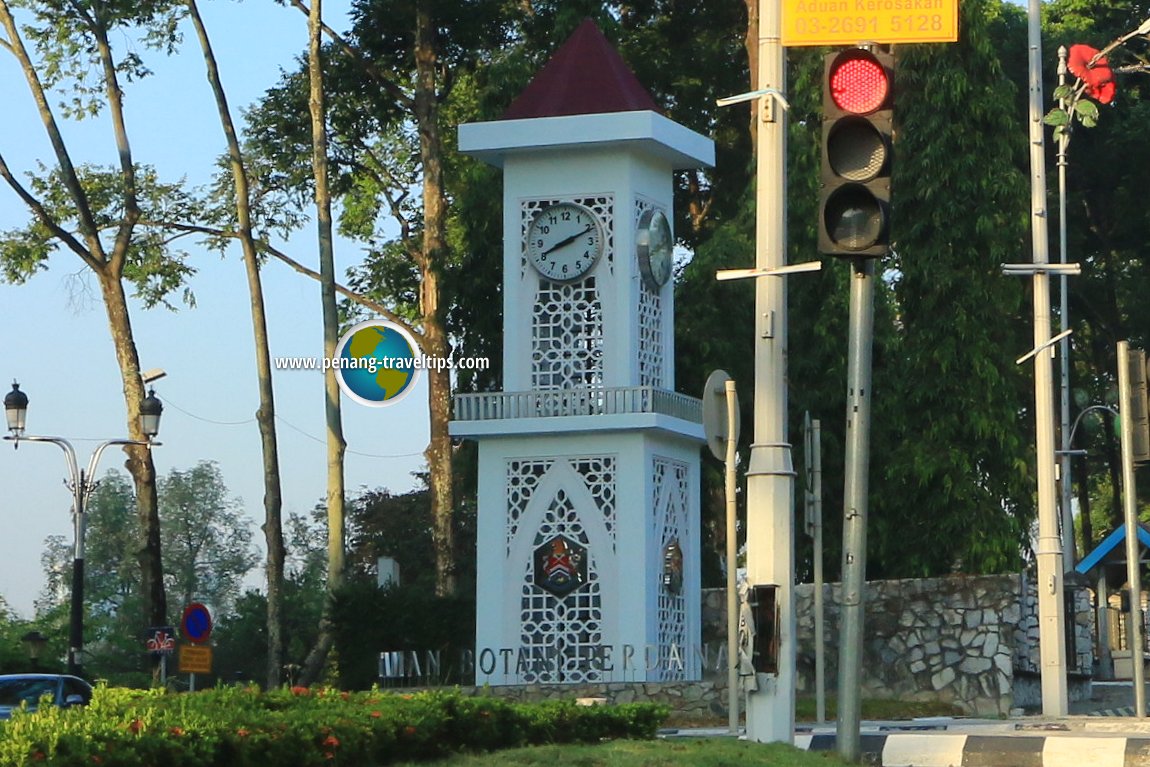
161	640
195	659
197	623
849	22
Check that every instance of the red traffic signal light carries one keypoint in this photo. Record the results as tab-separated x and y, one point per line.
854	201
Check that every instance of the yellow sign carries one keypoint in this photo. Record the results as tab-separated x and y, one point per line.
848	22
195	659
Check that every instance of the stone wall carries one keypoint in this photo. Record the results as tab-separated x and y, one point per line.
948	639
958	639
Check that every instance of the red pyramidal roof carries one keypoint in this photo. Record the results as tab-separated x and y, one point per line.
586	75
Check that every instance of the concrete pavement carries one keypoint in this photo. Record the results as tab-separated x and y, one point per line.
1101	736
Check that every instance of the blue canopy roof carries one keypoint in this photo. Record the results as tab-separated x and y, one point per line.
1113	541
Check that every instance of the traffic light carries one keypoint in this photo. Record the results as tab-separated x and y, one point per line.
854	199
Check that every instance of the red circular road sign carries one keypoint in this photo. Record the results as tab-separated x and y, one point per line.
196	623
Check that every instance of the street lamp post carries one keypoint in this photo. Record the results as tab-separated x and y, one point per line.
35	642
81	484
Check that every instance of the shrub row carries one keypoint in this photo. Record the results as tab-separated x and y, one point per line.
242	727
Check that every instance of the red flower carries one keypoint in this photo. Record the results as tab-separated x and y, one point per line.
376	715
177	731
1099	78
297	690
135	726
409	730
243	733
331	741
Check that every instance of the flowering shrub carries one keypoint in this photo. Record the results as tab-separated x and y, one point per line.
243	727
1094	79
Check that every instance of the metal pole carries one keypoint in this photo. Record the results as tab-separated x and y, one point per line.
817	514
1051	611
1130	512
861	336
732	566
1066	460
76	618
770	474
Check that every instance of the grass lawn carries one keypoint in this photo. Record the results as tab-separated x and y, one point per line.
692	752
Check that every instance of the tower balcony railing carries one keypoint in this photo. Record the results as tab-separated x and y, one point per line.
493	406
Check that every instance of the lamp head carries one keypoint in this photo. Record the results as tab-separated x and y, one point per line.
150	410
16	409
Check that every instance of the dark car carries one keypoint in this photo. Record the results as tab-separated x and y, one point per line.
65	691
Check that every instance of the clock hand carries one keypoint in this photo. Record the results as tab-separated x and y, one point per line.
566	240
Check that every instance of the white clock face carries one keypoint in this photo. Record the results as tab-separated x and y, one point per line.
654	245
564	241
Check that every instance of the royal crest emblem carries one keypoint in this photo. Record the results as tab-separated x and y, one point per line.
673	567
560	566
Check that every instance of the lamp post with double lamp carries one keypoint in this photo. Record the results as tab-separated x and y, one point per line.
81	484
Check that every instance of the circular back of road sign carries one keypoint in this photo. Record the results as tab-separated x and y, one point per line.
197	623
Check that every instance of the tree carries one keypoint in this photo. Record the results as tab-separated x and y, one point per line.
207	539
94	212
1106	225
265	416
208	551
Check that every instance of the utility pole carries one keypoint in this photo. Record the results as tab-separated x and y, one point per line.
1051	610
770	475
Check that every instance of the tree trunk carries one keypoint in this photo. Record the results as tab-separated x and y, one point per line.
139	463
265	416
335	441
431	256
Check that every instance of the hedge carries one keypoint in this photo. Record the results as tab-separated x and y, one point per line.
300	727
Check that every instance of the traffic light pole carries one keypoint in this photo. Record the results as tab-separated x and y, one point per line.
770	474
856	470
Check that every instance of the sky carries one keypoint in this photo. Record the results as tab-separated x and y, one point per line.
55	338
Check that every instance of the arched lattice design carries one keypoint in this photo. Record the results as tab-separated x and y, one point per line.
669	504
522	479
598	474
567	336
561	636
651	371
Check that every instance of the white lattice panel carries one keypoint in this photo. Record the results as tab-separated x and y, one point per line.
597	473
669	504
567	335
522	479
561	636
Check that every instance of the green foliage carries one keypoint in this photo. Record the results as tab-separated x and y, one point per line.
369	620
207	540
207	547
301	727
152	265
72	42
953	489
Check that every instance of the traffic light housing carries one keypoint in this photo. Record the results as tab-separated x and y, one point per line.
854	198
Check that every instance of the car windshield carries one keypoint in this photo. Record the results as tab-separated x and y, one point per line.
15	691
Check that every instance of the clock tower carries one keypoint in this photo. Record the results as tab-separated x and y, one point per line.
588	561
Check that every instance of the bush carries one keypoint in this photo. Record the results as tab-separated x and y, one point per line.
300	727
